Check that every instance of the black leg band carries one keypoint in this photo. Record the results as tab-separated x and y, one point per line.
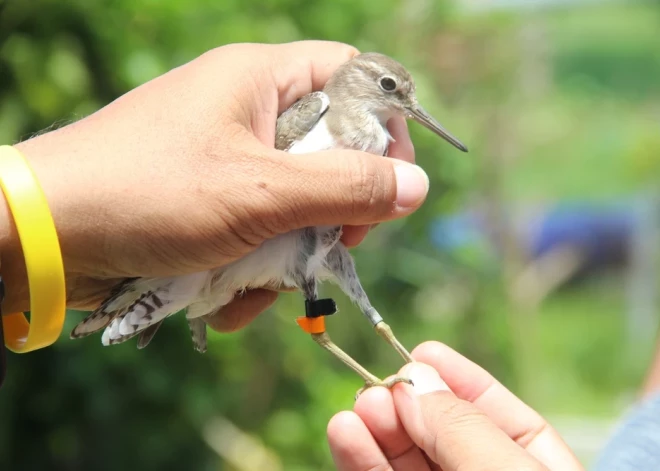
320	307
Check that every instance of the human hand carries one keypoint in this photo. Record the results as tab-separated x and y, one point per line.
468	422
180	175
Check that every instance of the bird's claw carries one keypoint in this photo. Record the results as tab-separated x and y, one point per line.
389	384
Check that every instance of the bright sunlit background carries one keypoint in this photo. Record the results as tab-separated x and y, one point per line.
536	254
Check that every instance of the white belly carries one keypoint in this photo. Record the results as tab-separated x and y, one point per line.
372	138
269	264
318	139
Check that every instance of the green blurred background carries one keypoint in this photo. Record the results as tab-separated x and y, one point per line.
535	254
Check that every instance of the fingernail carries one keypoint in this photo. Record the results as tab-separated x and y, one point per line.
425	379
412	184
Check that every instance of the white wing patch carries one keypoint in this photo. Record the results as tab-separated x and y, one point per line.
318	139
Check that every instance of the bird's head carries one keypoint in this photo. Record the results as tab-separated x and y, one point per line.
382	86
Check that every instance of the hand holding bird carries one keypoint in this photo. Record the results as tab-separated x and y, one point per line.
293	243
351	112
179	175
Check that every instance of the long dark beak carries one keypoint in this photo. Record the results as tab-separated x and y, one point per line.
418	113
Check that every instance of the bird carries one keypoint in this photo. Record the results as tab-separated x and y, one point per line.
350	112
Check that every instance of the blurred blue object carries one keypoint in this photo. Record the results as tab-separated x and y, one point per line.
636	443
456	231
603	232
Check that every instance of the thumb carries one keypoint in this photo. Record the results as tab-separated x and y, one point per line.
349	187
452	432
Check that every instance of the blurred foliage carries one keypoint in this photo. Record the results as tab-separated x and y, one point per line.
554	103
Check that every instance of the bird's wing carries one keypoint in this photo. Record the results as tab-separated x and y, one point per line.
299	119
139	304
159	298
122	296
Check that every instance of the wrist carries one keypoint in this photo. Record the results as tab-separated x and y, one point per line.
12	261
38	241
12	264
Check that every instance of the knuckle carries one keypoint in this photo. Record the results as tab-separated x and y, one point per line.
278	222
367	189
246	231
341	48
527	436
238	233
458	418
461	415
215	56
347	50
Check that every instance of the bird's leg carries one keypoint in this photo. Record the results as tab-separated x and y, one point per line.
323	339
385	331
340	264
308	285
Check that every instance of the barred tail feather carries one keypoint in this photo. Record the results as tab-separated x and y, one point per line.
120	297
117	339
159	299
139	305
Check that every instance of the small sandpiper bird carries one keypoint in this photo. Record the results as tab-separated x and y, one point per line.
351	112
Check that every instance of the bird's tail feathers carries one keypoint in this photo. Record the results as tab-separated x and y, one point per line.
139	306
114	305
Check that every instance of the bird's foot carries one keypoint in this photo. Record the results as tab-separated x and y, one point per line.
370	380
389	384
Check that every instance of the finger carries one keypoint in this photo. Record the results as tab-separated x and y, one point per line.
525	426
452	432
353	235
241	310
402	148
334	188
353	448
376	409
305	66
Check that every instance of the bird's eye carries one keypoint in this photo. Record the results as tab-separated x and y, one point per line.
388	84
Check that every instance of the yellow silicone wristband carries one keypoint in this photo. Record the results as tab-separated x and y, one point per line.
43	257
